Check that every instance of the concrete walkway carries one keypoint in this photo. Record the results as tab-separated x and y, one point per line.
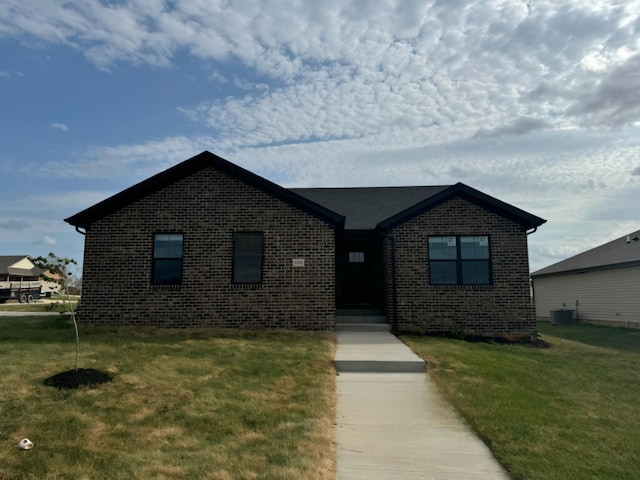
397	425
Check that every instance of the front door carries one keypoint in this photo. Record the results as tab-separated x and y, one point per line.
360	270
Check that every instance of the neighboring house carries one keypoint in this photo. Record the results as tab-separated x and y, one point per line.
601	285
19	278
19	270
207	243
51	287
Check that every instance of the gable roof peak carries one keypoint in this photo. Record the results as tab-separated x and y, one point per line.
527	220
188	167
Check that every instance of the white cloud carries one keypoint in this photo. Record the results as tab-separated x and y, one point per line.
350	69
47	240
131	162
615	101
218	77
60	126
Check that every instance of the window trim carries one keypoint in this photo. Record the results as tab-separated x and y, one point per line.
459	261
155	259
235	258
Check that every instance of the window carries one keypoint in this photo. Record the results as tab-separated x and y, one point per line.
356	257
459	260
167	259
247	257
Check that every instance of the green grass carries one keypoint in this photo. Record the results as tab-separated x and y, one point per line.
56	304
183	404
569	412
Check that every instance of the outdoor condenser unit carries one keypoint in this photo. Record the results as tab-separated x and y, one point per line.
561	317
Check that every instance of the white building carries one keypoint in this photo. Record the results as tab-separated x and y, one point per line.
601	285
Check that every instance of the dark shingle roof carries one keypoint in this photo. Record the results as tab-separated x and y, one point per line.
386	207
7	260
358	208
366	207
615	254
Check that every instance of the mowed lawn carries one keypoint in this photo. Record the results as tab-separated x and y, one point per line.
183	404
567	412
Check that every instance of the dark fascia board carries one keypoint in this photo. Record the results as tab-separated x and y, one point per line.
85	218
527	220
576	271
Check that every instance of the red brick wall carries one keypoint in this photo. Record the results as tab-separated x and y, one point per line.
503	309
207	208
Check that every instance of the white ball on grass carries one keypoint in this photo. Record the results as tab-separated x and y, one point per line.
25	444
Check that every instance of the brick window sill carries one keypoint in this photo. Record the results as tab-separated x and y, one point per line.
165	288
477	288
247	286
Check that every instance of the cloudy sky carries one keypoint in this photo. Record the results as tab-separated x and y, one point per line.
534	102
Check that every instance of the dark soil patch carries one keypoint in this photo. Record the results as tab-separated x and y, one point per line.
77	378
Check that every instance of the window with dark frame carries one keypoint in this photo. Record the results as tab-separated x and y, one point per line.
167	259
356	257
459	260
247	257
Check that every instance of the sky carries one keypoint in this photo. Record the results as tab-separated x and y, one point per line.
534	102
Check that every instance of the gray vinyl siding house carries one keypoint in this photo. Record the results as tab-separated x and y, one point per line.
207	243
601	285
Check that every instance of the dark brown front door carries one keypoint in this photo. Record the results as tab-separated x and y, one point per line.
360	271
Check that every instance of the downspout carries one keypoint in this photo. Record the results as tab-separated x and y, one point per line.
532	283
80	232
394	287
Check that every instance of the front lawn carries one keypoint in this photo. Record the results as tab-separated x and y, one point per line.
53	305
569	411
183	404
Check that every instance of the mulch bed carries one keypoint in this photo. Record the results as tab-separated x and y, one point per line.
77	378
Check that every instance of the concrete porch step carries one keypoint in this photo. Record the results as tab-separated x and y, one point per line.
362	327
361	319
375	312
364	350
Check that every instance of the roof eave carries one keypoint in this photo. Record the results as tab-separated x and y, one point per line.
527	220
576	271
86	217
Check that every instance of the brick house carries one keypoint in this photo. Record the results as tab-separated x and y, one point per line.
207	243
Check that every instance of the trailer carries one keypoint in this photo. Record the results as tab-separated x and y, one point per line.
23	291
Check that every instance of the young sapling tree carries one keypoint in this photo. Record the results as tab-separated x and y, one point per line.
59	270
